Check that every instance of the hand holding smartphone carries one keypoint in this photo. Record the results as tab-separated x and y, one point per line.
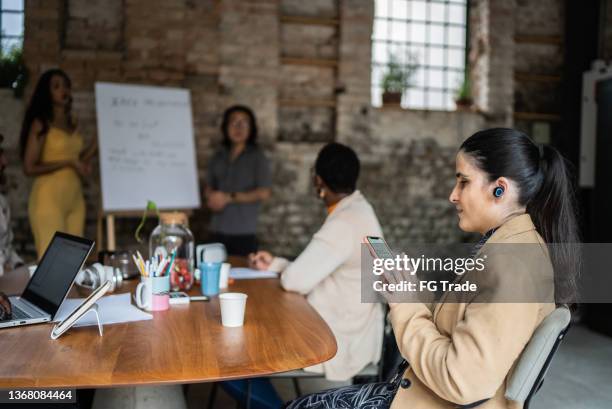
378	247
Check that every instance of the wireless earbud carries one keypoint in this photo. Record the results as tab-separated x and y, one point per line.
498	191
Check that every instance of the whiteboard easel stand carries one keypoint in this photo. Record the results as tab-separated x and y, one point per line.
111	243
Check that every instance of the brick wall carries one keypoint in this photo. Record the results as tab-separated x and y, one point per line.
17	186
539	60
232	51
492	58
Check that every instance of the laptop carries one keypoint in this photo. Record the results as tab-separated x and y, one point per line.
51	281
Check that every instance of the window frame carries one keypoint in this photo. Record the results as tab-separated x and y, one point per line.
427	87
3	36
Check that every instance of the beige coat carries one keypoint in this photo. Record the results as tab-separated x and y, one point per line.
328	272
461	353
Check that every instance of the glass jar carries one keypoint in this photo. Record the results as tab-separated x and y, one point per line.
170	236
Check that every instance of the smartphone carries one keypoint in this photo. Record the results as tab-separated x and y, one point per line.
179	297
378	247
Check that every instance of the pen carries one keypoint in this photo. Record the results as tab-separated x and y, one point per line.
137	265
171	262
142	263
161	267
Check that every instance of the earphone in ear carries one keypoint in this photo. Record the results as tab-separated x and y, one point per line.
498	191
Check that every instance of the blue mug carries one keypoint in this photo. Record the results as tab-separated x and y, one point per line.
209	279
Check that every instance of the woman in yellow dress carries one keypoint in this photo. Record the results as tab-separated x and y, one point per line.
52	152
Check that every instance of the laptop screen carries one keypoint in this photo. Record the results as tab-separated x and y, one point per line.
56	270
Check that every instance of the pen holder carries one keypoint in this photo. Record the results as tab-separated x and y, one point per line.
152	293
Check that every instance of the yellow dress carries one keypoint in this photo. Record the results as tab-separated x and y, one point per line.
56	201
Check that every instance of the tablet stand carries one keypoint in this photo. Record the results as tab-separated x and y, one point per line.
93	308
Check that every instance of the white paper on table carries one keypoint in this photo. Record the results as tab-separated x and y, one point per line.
241	273
113	309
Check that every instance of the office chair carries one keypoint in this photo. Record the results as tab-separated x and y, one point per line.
529	373
532	365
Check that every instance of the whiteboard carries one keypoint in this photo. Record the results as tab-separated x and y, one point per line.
147	150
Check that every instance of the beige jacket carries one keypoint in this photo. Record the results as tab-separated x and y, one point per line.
461	353
328	272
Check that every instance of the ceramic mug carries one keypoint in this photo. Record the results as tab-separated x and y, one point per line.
152	293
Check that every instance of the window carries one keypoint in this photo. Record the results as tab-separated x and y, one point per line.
11	24
428	38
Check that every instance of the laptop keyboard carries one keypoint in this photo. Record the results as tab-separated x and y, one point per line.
18	313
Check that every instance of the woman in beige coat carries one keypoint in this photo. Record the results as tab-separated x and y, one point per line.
461	352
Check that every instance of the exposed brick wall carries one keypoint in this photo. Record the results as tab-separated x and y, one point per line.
478	57
536	56
17	186
491	58
501	61
94	25
230	51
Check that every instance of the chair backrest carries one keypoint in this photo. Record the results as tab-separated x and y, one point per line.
390	357
533	363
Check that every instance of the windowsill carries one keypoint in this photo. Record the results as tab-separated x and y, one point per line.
400	108
403	125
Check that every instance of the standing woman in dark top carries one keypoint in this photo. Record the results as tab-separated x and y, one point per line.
238	180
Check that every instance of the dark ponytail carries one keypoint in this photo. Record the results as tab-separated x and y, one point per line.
553	210
546	189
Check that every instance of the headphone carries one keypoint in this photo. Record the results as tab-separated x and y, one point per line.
498	191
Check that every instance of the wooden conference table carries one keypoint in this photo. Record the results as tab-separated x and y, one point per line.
185	344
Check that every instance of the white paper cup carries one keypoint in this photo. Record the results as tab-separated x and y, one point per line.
232	309
224	275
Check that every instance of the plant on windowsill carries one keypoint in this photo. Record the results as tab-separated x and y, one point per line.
397	79
13	72
463	97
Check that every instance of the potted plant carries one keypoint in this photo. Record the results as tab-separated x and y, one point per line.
463	97
396	80
13	73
